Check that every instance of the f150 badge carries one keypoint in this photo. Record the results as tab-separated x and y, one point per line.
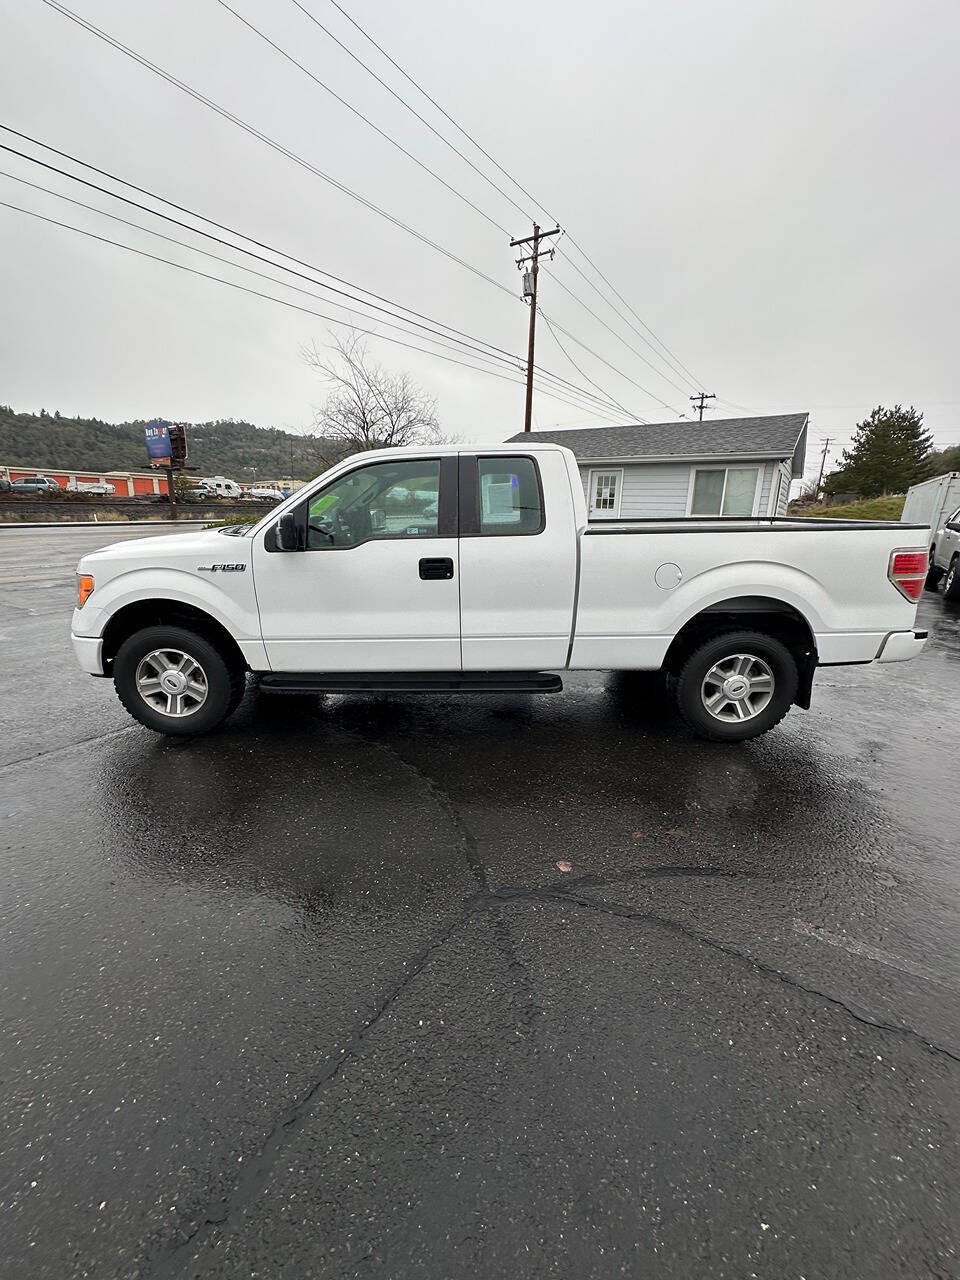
221	568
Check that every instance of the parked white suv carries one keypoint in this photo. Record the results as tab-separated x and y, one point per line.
464	570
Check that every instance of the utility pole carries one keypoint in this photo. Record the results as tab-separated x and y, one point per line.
700	399
171	492
823	463
530	291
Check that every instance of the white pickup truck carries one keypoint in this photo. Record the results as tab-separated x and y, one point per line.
476	569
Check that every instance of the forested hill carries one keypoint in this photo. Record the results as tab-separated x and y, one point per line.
236	449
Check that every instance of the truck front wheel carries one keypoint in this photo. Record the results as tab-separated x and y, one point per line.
176	681
736	686
951	587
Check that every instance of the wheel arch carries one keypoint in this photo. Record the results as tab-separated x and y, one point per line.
766	614
162	612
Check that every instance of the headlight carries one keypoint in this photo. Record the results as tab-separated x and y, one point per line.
84	589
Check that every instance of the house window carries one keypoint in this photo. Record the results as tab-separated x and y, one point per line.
724	491
604	493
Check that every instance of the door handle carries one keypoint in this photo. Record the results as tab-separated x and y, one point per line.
436	569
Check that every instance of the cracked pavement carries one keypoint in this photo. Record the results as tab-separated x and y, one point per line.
310	998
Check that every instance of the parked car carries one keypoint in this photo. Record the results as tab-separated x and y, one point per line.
36	484
264	493
508	586
98	488
947	556
4	484
936	503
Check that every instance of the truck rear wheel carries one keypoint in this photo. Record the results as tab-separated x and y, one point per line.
736	686
951	588
175	681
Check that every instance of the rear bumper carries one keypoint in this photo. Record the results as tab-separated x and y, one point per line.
89	651
898	646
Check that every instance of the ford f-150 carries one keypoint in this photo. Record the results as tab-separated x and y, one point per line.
476	569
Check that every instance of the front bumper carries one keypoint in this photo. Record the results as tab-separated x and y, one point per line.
89	651
898	646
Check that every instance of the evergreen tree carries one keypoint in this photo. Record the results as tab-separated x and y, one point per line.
890	452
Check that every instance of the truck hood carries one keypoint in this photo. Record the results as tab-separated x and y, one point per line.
189	552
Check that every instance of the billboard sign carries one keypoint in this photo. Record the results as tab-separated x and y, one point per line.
158	443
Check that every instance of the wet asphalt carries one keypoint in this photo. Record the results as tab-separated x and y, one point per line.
308	997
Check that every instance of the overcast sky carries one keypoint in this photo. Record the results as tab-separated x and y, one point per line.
771	186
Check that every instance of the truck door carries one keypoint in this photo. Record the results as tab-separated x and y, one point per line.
376	584
518	561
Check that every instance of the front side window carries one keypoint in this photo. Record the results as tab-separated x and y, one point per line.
510	499
384	500
728	491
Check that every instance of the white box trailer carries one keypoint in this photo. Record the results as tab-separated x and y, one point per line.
932	501
936	503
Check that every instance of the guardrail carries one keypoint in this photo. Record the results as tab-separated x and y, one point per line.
19	508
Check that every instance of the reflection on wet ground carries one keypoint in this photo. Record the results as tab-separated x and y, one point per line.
310	996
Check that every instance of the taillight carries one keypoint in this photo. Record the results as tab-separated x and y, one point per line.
908	572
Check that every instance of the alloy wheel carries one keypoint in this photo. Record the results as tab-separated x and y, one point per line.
737	687
172	682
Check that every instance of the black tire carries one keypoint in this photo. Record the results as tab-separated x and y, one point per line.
951	586
767	652
224	681
934	574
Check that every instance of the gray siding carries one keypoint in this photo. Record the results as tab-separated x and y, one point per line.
787	472
766	474
649	489
661	489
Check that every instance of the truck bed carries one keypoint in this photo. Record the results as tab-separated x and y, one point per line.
642	580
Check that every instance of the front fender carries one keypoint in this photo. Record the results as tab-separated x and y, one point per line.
231	603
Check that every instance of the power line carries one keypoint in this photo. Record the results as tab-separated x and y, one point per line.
359	114
270	142
469	339
296	158
573	338
446	115
698	382
216	257
404	103
638	354
682	371
556	339
257	293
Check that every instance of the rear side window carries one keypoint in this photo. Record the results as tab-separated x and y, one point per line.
510	498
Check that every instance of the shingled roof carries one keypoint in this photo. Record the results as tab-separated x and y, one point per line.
781	436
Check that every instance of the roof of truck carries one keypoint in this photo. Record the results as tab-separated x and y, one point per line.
774	436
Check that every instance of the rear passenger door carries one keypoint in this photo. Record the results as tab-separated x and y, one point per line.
517	561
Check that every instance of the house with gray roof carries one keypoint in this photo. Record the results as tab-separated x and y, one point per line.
730	467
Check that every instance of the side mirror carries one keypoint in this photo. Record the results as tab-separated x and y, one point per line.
288	532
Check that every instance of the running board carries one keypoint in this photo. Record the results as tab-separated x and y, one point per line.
412	682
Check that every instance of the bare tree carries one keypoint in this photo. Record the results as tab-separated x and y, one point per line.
367	407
